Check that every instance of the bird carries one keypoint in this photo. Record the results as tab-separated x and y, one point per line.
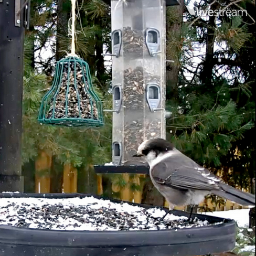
181	180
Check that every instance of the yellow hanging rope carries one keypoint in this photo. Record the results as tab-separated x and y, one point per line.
73	47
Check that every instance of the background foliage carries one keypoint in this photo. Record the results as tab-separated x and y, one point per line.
210	90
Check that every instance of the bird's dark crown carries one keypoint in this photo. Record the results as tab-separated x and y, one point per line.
158	146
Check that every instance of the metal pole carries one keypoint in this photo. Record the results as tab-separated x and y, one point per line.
12	24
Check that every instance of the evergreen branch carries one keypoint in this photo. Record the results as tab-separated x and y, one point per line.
195	73
190	71
217	97
200	16
247	14
44	39
245	88
246	126
228	62
237	1
45	90
189	116
200	23
179	127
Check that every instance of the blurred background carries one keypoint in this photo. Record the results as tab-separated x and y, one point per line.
210	89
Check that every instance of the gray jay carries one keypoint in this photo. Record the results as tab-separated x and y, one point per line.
181	180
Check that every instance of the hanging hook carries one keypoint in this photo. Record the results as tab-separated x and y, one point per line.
119	2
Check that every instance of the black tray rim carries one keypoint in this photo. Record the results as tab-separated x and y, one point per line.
223	232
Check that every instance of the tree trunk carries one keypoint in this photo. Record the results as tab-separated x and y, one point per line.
100	67
62	41
206	74
173	47
31	38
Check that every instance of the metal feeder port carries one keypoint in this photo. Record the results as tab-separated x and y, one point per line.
152	41
117	153
117	98
116	42
153	96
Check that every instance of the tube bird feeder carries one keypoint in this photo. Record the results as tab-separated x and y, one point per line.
138	75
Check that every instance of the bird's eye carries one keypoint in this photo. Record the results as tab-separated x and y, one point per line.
145	152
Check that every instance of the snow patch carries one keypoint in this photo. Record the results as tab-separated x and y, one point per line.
241	216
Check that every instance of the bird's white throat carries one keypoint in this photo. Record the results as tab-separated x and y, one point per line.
153	160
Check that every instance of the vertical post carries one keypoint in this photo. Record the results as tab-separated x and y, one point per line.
11	87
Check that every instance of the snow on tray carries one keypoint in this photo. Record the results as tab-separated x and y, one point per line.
86	213
9	192
248	248
241	216
109	164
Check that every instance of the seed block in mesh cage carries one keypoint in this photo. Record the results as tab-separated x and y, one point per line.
71	101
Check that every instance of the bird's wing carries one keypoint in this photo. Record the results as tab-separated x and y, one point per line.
184	177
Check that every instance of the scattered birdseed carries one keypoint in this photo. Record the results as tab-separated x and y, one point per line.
87	213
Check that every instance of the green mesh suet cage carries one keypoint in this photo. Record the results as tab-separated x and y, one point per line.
71	101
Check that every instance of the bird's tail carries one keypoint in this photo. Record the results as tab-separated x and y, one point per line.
236	195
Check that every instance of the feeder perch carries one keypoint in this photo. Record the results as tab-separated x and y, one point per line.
71	101
116	42
117	153
153	96
117	98
152	41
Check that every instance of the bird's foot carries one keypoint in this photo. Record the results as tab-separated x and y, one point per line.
169	211
191	218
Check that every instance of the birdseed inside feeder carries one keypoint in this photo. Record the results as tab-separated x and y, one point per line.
71	101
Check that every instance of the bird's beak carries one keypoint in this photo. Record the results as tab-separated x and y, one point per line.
137	155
